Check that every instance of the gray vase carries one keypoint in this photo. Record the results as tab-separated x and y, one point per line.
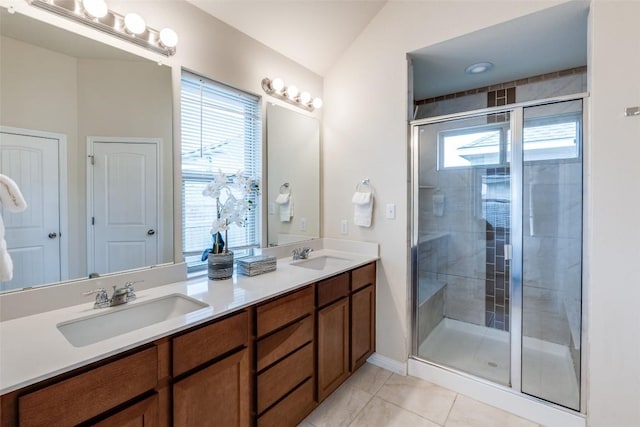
220	266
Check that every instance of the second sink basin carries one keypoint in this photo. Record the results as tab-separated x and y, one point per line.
126	318
319	262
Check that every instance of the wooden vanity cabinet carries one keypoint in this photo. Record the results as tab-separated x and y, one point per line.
211	374
284	359
120	388
333	333
346	326
363	315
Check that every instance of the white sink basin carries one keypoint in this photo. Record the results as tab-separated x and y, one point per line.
126	318
320	262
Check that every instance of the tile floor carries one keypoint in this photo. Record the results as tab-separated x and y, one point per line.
375	397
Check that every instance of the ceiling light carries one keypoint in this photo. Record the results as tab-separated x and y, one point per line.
480	67
95	8
134	23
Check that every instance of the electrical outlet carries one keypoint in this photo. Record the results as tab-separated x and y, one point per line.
344	227
303	224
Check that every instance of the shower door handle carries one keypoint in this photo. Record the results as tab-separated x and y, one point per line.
507	252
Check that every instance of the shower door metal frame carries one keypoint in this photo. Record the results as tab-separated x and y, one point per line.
517	168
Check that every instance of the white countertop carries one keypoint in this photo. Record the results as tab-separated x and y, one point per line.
33	349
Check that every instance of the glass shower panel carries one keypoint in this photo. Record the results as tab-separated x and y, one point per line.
464	205
552	252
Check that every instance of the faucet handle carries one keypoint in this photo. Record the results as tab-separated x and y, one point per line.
102	298
131	294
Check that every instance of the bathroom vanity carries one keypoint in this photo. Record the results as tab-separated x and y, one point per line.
262	361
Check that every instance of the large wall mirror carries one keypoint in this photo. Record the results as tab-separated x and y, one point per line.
87	135
293	199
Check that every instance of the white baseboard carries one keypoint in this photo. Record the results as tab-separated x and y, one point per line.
500	397
389	364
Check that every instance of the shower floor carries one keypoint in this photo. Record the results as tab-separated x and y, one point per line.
548	371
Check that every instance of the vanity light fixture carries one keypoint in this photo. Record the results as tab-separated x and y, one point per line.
290	94
96	14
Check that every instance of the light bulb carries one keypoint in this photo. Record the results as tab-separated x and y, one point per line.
305	97
317	103
134	23
277	84
95	8
168	37
292	92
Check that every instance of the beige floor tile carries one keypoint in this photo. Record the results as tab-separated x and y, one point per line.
340	408
380	413
369	378
424	398
467	412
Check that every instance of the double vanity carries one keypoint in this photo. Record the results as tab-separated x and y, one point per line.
263	350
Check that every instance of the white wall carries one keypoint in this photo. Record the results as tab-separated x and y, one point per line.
614	210
365	135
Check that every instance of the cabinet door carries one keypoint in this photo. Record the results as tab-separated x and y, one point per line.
363	308
333	347
141	414
215	396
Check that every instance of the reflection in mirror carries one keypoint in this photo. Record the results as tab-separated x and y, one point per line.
293	142
86	133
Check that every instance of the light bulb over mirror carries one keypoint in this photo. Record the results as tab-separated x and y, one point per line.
134	23
168	37
277	84
95	8
317	103
305	97
292	92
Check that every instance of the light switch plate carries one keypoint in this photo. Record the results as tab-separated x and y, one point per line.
344	227
390	211
303	224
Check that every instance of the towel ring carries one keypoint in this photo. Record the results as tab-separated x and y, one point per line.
364	183
284	188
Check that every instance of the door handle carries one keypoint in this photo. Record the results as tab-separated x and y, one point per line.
53	235
151	232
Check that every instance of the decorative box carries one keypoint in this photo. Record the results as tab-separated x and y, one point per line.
254	265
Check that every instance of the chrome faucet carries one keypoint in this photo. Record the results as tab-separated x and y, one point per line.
120	295
301	253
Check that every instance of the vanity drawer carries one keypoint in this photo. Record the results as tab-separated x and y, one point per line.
333	289
202	345
274	347
91	393
278	380
363	276
292	409
275	314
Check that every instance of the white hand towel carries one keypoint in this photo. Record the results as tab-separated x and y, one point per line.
362	208
283	198
12	200
286	209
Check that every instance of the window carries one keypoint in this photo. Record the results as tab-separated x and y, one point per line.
544	138
221	131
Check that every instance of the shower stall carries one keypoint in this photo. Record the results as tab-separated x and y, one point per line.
497	246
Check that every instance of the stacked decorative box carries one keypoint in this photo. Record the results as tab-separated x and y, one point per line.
254	265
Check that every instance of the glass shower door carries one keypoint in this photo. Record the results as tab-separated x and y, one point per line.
462	245
552	252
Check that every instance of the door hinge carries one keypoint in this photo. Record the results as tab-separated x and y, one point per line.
93	220
93	159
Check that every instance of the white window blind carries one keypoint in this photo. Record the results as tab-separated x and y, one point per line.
220	132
